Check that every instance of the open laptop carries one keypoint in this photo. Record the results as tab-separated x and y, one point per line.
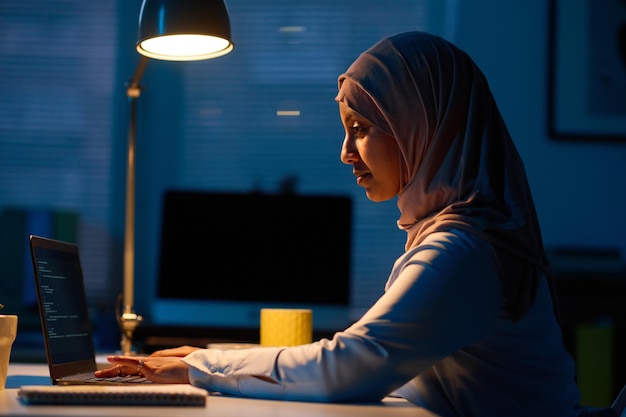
64	315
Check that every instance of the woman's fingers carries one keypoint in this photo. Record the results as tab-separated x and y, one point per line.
171	370
180	352
121	365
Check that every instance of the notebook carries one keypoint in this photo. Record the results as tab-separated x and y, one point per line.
67	334
97	394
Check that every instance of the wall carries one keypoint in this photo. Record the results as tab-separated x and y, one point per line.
578	186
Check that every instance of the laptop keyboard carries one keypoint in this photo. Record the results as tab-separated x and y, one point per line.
115	380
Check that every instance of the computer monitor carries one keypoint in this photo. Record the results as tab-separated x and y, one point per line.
225	255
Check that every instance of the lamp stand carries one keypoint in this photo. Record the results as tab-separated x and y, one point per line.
128	320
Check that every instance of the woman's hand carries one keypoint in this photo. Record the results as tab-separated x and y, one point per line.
165	370
180	352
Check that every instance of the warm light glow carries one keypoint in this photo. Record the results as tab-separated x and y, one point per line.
292	29
288	113
184	47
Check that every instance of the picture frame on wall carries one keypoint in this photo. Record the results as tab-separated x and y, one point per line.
587	70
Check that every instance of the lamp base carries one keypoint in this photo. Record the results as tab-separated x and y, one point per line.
128	324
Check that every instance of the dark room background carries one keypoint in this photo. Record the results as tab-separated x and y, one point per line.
217	125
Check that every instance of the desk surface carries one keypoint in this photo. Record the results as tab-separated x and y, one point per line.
217	406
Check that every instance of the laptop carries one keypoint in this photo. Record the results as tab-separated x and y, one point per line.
64	315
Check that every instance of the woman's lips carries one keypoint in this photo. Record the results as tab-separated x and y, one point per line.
361	178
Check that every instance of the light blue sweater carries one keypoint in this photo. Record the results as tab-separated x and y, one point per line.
439	336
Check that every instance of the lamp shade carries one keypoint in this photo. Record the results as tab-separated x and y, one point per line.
184	30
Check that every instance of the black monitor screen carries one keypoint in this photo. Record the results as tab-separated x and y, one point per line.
266	248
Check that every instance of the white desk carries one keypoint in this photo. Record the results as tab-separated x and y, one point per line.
217	406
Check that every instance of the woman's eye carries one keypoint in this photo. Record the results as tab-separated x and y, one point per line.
358	129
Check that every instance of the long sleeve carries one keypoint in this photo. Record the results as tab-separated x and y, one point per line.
440	297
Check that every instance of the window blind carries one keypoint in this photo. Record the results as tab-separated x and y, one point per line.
287	58
261	118
57	68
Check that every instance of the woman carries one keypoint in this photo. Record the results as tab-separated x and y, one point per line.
467	325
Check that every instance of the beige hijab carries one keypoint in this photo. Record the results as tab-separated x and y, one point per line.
460	167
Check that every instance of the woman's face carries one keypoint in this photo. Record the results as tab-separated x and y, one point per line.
373	154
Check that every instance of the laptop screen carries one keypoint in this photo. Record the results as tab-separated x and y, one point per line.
62	302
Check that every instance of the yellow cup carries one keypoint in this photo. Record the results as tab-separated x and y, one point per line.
8	331
286	326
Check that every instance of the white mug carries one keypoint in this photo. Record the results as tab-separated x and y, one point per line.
8	331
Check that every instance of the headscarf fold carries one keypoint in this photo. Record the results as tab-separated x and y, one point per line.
460	167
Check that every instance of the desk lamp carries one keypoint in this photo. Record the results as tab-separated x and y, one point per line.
173	30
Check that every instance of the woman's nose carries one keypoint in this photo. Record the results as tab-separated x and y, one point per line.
349	155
